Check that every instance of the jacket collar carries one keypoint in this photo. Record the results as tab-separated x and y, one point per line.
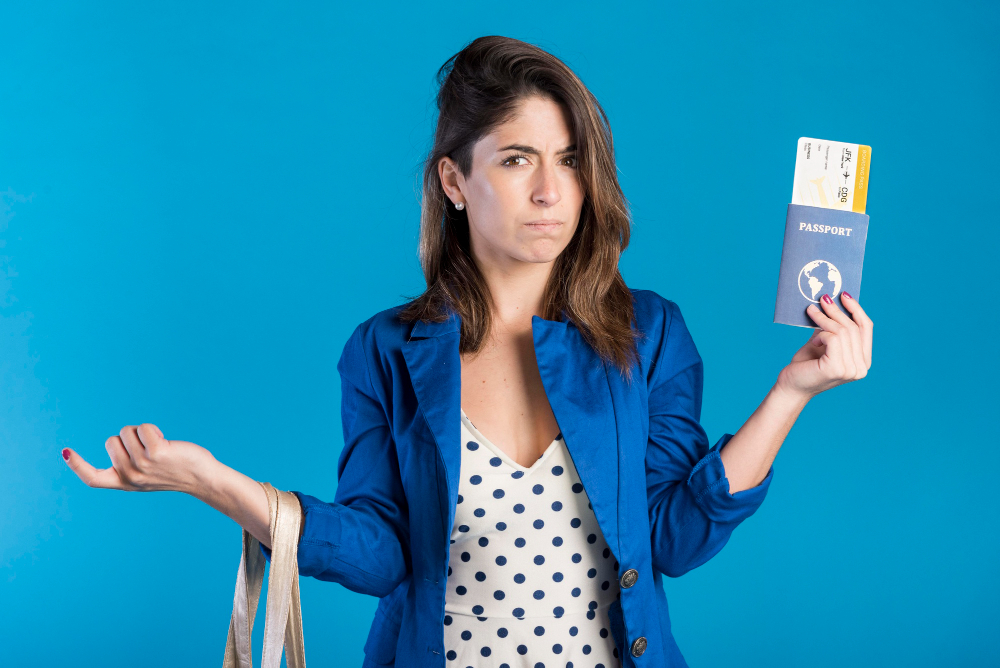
425	330
576	383
428	330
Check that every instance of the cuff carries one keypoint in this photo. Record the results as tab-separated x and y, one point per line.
320	534
710	487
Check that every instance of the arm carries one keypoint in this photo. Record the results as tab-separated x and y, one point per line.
692	511
839	351
144	461
693	505
239	497
748	455
361	539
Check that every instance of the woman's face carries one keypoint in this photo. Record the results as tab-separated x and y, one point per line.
523	197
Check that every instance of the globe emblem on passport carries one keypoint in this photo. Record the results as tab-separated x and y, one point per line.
818	278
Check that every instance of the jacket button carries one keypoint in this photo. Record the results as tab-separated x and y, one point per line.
639	646
629	577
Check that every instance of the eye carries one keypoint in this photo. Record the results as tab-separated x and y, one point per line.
513	157
572	158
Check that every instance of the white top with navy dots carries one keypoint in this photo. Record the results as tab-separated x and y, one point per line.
531	576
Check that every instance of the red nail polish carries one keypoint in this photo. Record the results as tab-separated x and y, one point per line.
827	299
66	454
847	295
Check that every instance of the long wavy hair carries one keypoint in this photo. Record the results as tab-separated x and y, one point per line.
480	88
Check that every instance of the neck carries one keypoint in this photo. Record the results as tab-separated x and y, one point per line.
517	290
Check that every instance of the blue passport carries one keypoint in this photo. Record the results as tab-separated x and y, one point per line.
822	253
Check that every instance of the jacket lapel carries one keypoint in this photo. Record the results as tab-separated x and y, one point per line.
575	381
432	358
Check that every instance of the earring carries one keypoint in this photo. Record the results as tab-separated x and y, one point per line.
460	205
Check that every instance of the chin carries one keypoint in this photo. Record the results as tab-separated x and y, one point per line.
542	252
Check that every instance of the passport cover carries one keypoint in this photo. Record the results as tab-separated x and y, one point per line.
822	254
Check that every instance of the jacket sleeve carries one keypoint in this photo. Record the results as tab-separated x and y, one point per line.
361	539
691	512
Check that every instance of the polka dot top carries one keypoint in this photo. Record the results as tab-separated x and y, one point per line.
530	576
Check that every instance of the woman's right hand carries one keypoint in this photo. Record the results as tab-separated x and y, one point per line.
143	461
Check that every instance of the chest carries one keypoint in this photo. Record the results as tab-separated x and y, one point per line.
603	421
502	393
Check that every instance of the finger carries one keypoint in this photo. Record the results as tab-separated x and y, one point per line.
834	311
815	339
835	363
122	462
92	477
858	351
136	450
822	320
150	436
858	313
837	322
865	324
851	334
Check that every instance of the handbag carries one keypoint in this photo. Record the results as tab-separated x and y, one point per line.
283	615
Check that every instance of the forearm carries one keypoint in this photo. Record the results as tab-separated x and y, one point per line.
748	455
239	497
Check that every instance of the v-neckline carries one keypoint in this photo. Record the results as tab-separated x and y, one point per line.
502	455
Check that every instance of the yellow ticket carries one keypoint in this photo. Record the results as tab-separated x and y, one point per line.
831	174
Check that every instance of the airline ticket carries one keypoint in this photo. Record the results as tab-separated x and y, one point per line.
831	174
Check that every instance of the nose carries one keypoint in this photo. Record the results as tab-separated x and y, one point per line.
546	191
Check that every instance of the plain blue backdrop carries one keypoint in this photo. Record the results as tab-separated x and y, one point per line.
199	202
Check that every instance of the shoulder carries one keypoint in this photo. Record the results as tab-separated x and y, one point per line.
666	342
383	330
653	313
375	347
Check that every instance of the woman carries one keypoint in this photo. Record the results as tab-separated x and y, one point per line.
523	454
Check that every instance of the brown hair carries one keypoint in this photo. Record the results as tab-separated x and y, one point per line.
480	88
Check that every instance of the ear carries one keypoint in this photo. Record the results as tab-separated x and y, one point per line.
451	179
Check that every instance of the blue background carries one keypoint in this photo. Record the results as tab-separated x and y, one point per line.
199	202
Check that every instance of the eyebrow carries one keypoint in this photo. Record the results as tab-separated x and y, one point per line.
534	151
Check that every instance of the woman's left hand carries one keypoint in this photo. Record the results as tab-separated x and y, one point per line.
838	352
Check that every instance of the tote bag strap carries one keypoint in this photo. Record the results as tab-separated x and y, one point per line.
283	614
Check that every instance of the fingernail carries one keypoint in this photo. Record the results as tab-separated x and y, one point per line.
827	299
66	454
846	295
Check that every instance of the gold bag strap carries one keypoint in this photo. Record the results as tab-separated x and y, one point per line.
283	615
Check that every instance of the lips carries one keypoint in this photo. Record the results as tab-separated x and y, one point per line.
544	224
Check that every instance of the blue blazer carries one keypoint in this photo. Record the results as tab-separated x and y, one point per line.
387	533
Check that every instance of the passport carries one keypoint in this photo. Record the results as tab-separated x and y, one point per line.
822	253
825	229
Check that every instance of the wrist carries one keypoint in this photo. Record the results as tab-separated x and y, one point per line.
793	398
208	480
235	495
